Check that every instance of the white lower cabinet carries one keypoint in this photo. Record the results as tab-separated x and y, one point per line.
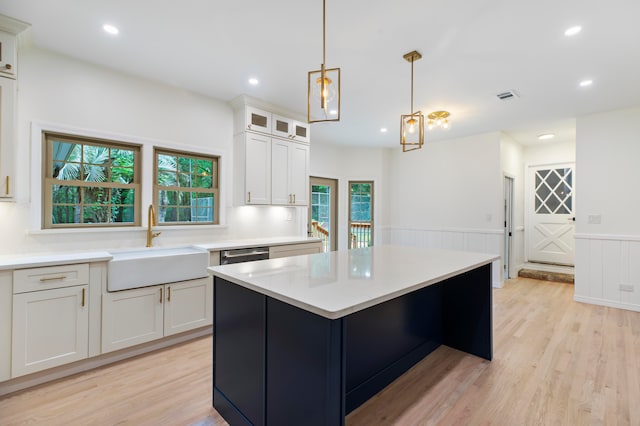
50	328
132	317
276	252
188	305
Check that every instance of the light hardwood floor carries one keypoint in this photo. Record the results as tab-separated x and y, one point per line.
556	362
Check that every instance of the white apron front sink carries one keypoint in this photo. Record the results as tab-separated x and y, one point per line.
151	266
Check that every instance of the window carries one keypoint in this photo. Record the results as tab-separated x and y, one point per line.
186	188
360	214
90	182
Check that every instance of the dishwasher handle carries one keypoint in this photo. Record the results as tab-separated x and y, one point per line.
231	256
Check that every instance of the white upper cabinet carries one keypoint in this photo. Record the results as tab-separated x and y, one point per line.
290	129
271	157
8	55
252	169
7	137
289	173
257	120
9	28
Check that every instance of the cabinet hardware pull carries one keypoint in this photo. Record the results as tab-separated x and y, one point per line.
249	196
160	294
6	185
60	278
294	198
8	66
168	294
83	294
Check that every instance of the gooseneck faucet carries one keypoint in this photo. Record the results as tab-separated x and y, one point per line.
151	221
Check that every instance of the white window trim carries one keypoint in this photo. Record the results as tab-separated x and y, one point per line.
146	176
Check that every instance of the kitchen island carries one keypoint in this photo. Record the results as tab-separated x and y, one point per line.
307	339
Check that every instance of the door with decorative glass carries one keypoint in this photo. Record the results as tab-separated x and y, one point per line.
551	214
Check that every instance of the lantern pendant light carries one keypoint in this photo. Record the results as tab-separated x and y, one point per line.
412	125
323	89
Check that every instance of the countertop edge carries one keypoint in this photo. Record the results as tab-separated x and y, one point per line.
357	307
10	262
34	261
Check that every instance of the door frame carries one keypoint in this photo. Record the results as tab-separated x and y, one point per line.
529	187
508	195
333	231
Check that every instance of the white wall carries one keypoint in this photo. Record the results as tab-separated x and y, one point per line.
345	164
448	195
608	254
59	91
450	184
550	153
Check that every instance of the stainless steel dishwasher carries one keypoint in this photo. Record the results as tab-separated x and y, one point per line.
243	255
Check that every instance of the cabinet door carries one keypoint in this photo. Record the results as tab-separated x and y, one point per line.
188	305
281	126
50	328
276	252
257	169
8	55
258	120
299	174
7	140
300	131
131	317
280	191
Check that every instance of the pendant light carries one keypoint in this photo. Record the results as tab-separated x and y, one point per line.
412	125
323	94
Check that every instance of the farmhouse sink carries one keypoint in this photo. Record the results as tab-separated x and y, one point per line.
152	266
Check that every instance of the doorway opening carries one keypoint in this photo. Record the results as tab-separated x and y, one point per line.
508	227
323	216
360	214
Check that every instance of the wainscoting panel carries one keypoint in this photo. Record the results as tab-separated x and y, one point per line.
607	270
478	240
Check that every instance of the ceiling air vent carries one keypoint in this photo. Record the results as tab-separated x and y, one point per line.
505	96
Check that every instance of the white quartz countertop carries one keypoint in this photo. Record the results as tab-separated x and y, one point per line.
257	242
339	283
37	260
21	261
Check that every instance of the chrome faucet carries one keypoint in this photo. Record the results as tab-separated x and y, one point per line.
151	221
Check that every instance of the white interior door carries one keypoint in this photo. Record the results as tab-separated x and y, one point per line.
551	214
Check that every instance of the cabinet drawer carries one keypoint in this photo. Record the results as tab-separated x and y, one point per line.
35	279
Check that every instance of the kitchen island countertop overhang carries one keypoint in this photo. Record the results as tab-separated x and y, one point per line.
339	283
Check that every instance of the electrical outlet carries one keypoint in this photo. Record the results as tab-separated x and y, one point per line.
594	219
626	287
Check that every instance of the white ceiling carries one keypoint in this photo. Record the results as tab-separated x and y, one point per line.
472	50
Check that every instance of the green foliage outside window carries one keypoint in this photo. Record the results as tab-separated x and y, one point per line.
89	182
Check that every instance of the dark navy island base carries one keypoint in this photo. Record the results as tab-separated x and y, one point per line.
276	364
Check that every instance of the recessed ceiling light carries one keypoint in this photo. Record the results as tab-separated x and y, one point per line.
333	112
110	29
573	31
586	83
546	136
383	130
253	81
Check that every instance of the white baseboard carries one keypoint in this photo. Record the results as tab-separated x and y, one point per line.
608	303
24	382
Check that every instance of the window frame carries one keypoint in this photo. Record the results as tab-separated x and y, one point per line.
48	181
215	189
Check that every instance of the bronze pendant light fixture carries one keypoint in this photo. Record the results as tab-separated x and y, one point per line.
412	125
323	89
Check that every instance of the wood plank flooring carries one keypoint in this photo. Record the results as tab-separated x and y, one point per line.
556	362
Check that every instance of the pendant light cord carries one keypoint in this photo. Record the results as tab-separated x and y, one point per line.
412	87
323	32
